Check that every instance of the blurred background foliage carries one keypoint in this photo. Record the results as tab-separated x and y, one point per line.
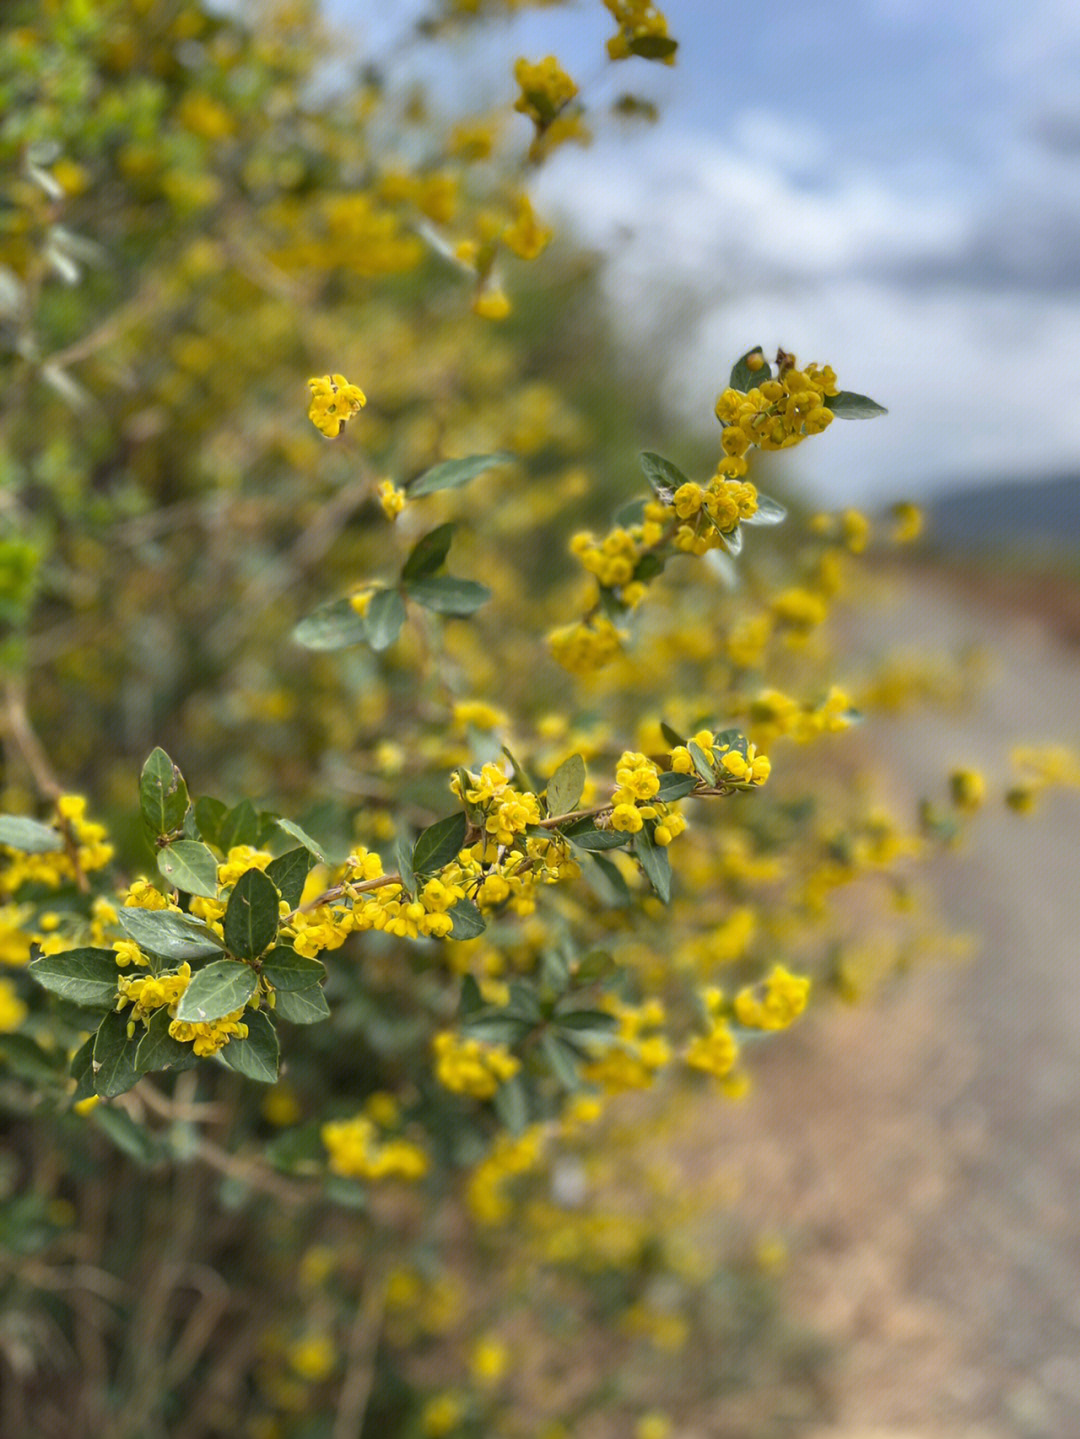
192	221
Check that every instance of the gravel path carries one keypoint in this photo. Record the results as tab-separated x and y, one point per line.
923	1155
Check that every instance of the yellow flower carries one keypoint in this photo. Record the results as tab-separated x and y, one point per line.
333	402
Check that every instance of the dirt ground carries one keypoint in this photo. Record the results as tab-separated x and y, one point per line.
928	1183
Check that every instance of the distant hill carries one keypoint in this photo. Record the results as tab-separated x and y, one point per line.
1036	519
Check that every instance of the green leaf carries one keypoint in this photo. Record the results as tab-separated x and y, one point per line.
429	552
648	567
251	918
114	1056
496	1027
672	736
661	473
208	816
447	595
384	619
312	846
593	967
239	826
512	1104
403	858
158	1050
731	739
289	872
590	837
332	626
224	986
632	513
561	1060
702	763
768	512
471	998
87	977
743	378
28	836
606	881
302	1006
519	774
130	1138
847	405
674	785
287	970
565	786
163	796
191	866
452	474
169	934
654	861
82	1070
653	47
468	921
732	538
256	1057
27	1060
439	844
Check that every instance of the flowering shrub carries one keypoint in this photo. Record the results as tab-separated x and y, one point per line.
467	867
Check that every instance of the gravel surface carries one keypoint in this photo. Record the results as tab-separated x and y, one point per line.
922	1154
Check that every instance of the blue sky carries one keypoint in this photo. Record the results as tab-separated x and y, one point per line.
889	185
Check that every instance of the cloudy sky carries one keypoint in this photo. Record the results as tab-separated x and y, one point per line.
889	185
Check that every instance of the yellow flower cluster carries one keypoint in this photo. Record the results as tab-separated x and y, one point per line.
734	767
510	1156
467	1066
392	499
715	1052
967	788
778	1005
546	89
778	413
773	713
357	1152
799	609
1041	767
637	1055
525	236
333	402
637	20
637	780
148	993
586	645
12	1010
81	847
507	812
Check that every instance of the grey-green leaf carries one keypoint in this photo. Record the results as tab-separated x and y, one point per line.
448	595
655	862
251	919
428	553
384	618
702	762
468	921
674	785
167	933
768	512
302	1006
439	844
221	988
301	835
114	1056
332	626
257	1056
661	474
847	405
163	796
28	836
744	378
190	866
452	474
289	872
240	825
287	970
566	785
597	838
158	1050
84	976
